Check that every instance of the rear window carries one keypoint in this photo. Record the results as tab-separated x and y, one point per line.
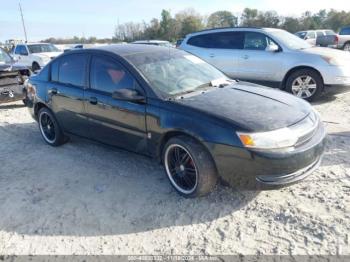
222	40
345	31
70	70
319	33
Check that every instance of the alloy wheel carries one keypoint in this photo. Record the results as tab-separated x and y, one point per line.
181	169
304	86
47	127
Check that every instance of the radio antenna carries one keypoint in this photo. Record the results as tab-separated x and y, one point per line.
24	27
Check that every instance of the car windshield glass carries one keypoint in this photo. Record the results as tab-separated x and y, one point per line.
301	34
289	40
174	72
4	57
42	48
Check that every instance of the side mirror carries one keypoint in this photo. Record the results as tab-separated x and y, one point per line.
128	95
272	48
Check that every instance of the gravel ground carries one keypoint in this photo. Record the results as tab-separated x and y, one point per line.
86	198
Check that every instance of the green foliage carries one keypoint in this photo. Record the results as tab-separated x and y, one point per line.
187	21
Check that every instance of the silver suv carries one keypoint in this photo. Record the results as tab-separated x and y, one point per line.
272	57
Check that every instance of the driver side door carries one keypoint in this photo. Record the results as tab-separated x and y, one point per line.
115	122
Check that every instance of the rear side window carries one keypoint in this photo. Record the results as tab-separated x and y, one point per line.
222	40
345	31
107	75
319	33
72	70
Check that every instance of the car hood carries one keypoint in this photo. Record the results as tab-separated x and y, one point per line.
328	52
250	107
48	54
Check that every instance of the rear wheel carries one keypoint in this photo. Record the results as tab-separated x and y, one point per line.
305	83
189	167
49	128
35	67
347	47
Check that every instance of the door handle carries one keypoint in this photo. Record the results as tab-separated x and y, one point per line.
93	100
246	57
53	91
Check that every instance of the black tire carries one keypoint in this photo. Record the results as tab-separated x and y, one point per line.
200	159
303	73
346	47
35	66
58	138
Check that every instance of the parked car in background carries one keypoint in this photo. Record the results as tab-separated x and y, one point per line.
12	78
272	57
175	107
340	41
154	42
35	55
178	43
312	36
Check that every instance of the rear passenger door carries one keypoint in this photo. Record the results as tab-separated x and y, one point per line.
221	49
66	91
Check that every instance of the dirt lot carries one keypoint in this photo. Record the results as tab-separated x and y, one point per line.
85	198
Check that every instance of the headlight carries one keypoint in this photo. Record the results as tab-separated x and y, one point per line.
284	137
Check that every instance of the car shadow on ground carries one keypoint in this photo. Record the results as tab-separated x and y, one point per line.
87	189
11	106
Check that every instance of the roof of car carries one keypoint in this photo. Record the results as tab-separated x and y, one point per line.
129	49
149	41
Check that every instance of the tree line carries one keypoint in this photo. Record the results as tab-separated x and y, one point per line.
172	27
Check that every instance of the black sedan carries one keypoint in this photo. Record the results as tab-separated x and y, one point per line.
12	78
175	107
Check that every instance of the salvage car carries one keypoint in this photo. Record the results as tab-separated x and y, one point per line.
12	78
175	107
273	57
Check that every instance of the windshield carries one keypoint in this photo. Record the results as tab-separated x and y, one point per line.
301	34
42	48
289	40
173	72
4	57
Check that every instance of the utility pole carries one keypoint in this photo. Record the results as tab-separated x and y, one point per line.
24	27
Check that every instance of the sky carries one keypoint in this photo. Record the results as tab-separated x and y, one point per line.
66	18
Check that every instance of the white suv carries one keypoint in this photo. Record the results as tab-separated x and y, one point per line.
35	55
272	57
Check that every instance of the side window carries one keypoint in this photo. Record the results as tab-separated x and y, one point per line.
345	31
222	40
311	35
319	33
255	41
21	50
72	69
108	75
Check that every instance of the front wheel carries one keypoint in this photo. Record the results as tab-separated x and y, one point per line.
189	167
35	67
305	83
49	128
346	47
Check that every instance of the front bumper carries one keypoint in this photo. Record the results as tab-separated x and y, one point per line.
335	75
265	169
